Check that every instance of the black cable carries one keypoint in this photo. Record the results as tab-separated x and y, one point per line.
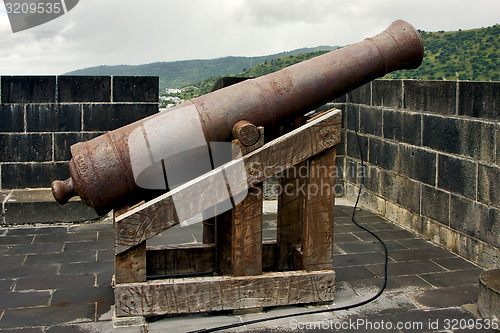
346	307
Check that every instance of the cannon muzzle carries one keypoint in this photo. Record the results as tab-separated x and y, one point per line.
117	167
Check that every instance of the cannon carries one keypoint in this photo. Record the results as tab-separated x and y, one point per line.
121	166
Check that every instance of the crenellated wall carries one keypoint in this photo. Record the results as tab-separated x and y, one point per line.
42	116
432	155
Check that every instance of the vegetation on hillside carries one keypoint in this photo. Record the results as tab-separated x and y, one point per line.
463	55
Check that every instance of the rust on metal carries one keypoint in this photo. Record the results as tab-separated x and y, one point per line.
101	169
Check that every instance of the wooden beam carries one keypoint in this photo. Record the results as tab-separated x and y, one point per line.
290	215
180	260
202	294
239	236
317	243
159	214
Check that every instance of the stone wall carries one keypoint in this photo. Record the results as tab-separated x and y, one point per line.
42	116
432	156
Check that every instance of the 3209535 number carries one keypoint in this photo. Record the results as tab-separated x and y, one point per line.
33	8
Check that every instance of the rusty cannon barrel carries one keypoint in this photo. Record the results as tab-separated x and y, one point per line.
116	167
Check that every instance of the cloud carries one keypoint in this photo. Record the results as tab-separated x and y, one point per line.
115	32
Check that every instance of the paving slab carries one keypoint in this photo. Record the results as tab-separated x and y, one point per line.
26	271
407	268
86	267
14	300
89	245
47	316
455	263
12	260
453	278
35	248
448	297
61	257
47	282
66	237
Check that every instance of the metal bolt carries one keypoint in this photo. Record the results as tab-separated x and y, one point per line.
131	232
122	231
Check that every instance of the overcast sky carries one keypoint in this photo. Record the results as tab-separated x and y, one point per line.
113	32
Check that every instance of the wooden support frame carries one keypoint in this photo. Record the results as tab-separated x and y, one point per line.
296	269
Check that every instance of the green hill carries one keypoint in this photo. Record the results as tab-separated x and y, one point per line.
178	74
464	54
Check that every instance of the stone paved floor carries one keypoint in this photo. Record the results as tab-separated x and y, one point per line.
58	279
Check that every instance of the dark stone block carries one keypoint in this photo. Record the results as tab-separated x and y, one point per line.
63	142
400	190
489	185
101	117
370	121
435	204
48	212
25	147
353	147
418	164
468	216
352	117
372	179
430	96
457	175
32	175
361	95
403	126
383	153
84	88
339	168
351	171
11	118
53	117
387	93
479	99
460	136
342	144
491	227
28	89
135	88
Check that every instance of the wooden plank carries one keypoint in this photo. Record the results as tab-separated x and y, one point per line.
130	265
317	246
290	216
157	215
202	294
180	260
239	236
